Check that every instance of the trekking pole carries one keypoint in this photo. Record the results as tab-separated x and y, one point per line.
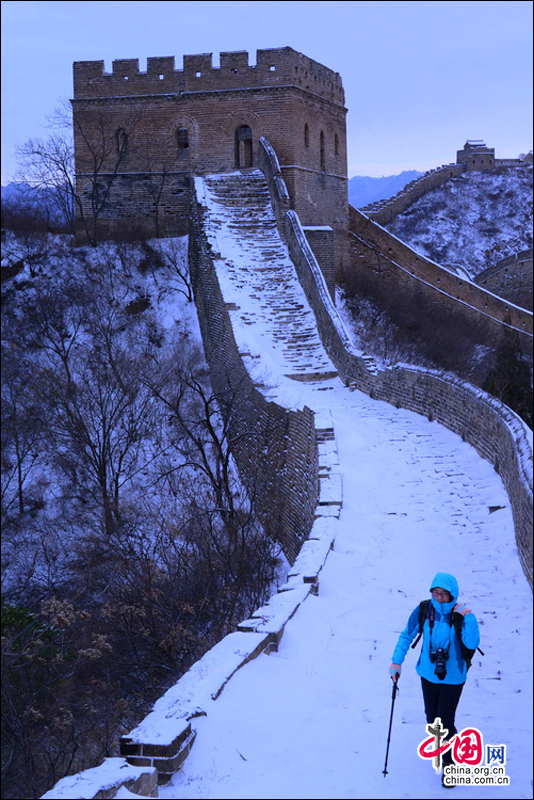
393	695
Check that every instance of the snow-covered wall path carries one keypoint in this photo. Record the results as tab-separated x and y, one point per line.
310	721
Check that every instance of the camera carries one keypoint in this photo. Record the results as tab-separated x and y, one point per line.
439	658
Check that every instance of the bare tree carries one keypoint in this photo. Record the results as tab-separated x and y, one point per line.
101	150
22	429
81	190
48	164
160	163
222	527
100	423
171	253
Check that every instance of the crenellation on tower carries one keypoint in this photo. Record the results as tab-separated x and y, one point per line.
160	65
234	61
276	66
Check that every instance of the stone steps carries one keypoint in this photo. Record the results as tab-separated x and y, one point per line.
258	265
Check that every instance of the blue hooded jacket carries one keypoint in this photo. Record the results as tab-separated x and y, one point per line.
442	635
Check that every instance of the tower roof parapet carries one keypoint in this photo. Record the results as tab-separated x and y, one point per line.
274	67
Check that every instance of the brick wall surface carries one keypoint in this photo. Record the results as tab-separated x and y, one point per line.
382	262
276	450
511	278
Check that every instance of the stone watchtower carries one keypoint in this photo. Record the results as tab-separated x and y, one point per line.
476	155
144	135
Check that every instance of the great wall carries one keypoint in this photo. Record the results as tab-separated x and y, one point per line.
475	155
285	297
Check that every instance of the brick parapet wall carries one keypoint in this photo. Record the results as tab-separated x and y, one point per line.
270	166
274	67
496	432
382	255
510	278
320	238
510	162
104	782
276	450
321	241
385	211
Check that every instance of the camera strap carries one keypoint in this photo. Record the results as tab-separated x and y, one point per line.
431	619
424	613
430	615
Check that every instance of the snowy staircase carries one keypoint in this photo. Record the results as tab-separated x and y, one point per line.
259	281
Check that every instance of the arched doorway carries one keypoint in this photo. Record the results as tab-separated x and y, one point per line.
243	147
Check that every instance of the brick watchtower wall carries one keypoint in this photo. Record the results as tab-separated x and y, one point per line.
162	126
476	155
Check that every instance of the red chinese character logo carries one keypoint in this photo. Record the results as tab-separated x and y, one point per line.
468	747
426	753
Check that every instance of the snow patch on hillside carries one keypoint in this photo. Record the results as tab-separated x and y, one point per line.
473	221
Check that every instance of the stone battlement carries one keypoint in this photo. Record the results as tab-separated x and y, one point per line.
274	67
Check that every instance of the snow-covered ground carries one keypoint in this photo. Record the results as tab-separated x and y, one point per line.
311	720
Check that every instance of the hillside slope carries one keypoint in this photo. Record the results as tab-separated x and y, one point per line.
474	220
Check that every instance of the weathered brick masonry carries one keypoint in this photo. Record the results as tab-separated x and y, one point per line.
510	278
173	124
275	448
386	268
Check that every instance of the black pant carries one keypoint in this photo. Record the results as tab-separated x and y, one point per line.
441	700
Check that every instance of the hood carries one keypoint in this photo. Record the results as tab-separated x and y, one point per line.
446	581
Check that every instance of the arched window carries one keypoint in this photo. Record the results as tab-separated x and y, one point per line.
243	147
336	144
306	135
322	150
121	140
182	138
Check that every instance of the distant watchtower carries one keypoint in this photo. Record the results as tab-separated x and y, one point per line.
159	128
476	155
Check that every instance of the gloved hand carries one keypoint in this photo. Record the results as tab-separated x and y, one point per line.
395	671
461	609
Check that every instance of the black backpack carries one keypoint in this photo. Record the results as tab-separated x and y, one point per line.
457	621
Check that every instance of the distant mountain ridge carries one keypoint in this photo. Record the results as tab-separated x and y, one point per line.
364	190
19	195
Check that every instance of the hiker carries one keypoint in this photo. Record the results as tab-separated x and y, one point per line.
444	658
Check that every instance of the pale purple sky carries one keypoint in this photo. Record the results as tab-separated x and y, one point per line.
420	77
